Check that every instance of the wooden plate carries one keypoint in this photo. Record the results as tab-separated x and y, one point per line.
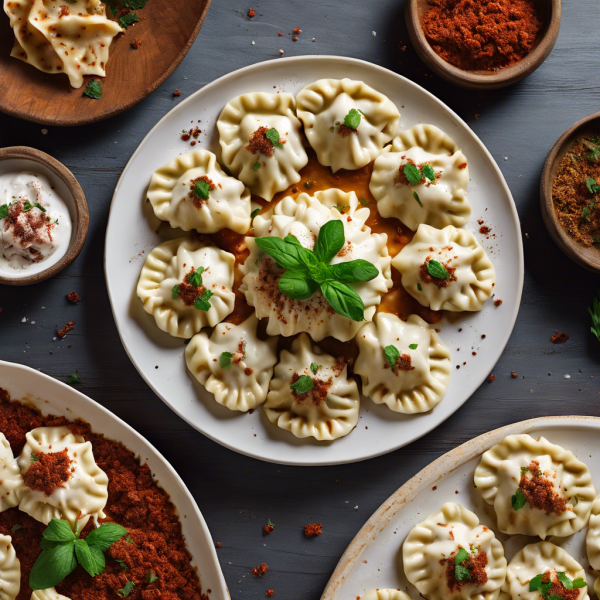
167	31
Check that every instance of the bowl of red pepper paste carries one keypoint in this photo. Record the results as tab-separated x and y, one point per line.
483	44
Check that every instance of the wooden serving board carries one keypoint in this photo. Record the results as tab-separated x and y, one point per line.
167	31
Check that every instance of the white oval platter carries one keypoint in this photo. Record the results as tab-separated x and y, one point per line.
50	396
374	558
159	358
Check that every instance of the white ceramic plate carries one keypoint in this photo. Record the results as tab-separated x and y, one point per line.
54	397
374	558
132	234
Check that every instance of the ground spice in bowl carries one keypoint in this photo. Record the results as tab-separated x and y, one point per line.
481	35
575	191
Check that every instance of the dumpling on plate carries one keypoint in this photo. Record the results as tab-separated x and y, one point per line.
187	285
446	269
11	481
233	363
544	563
303	218
346	122
311	393
422	180
536	487
261	142
385	595
10	570
49	594
402	364
193	192
62	479
592	539
450	555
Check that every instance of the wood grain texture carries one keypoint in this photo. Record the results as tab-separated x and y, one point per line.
167	31
236	494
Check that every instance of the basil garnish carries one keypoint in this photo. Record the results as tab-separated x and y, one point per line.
392	354
202	189
412	173
302	385
352	119
273	136
518	500
94	89
461	573
436	269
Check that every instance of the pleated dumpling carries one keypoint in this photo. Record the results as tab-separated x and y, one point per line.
261	142
451	555
303	218
62	479
592	539
347	122
193	192
446	269
402	364
311	393
422	180
11	481
233	363
10	570
385	595
49	594
187	285
545	563
536	488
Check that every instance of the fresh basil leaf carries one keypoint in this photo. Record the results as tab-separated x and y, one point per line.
151	577
314	368
125	591
535	583
94	89
195	278
461	573
256	166
320	273
302	385
555	597
593	187
225	360
52	566
412	173
202	302
416	197
354	271
392	354
364	202
413	346
436	269
59	530
106	535
37	205
27	206
16	527
344	300
3	211
297	285
126	20
461	555
47	544
428	172
90	558
175	292
292	239
273	136
285	254
255	213
518	500
579	582
562	577
330	241
419	287
352	119
202	189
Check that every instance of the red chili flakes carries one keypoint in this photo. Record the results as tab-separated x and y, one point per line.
297	31
540	492
484	230
404	363
251	13
177	93
218	544
267	529
193	132
48	472
434	488
462	166
476	565
260	570
313	530
136	43
73	297
491	378
294	38
498	302
559	338
64	12
513	375
270	592
280	33
68	327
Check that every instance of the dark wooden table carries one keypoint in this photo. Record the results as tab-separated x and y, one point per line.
237	494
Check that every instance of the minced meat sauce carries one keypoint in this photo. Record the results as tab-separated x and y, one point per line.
48	471
540	491
476	563
155	543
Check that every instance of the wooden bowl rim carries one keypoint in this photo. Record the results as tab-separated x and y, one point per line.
480	81
81	209
21	114
577	252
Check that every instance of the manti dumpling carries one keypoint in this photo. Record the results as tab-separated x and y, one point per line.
592	539
385	595
10	570
49	594
11	481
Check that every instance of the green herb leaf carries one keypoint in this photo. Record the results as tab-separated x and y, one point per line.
419	287
52	566
90	557
518	500
126	20
225	360
555	597
134	4
314	367
364	202
202	302
413	346
34	458
202	189
436	269
151	577
130	541
585	213
392	354
106	535
340	208
273	136
269	522
461	555
595	314
3	211
297	285
255	213
592	185
412	173
27	206
524	470
320	273
125	591
579	582
352	119
330	241
474	549
286	254
354	271
256	166
195	277
59	530
16	527
428	172
536	585
121	563
175	292
593	155
302	385
94	89
416	197
461	573
73	378
344	300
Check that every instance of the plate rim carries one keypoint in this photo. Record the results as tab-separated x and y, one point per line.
349	62
428	476
81	401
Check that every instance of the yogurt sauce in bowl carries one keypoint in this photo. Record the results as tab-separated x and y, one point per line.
35	224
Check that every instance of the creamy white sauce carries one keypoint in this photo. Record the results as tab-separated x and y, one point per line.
31	240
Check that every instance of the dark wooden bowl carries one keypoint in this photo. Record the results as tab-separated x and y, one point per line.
485	80
167	30
80	222
582	255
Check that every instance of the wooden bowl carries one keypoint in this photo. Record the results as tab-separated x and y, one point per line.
76	204
167	30
582	255
485	80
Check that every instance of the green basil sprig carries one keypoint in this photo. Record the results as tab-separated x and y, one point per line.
62	550
307	271
461	572
538	585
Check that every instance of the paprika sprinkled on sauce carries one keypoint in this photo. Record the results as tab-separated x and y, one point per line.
48	471
540	492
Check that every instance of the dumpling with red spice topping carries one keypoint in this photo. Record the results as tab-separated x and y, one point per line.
49	594
446	269
535	487
421	369
187	285
592	539
423	179
233	363
311	393
385	595
11	481
347	122
452	555
541	563
62	479
10	570
303	218
261	142
193	192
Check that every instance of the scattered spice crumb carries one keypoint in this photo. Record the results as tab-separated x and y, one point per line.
260	570
434	488
294	38
68	327
218	544
136	43
313	530
280	34
176	93
251	13
73	297
484	230
491	378
297	31
559	338
498	302
267	529
513	375
270	592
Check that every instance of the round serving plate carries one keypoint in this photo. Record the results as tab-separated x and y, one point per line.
373	560
132	233
54	397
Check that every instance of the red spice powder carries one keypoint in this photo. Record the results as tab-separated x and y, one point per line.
559	338
267	529
404	363
251	13
29	227
73	297
540	491
136	43
481	34
68	327
484	230
497	302
476	565
559	589
513	375
313	530
198	202
177	93
260	570
49	471
345	131
269	593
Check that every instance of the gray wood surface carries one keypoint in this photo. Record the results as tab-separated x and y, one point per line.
237	494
